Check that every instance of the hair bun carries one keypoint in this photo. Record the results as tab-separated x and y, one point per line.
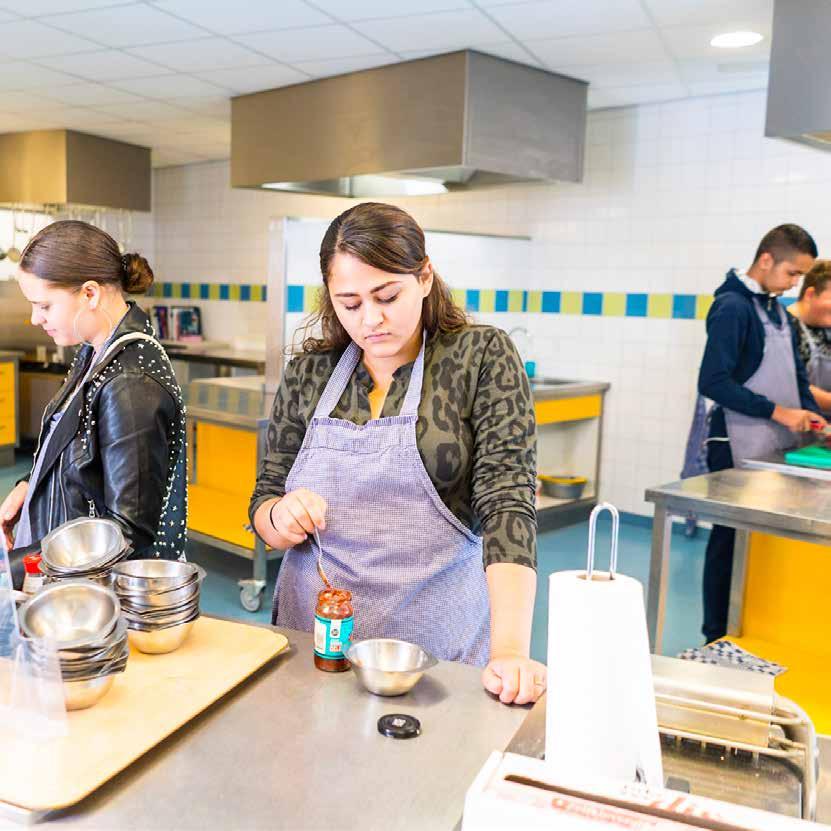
137	276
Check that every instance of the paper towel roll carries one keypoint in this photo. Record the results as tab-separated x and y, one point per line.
600	718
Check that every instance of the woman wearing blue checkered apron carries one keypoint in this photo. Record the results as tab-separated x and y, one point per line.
405	435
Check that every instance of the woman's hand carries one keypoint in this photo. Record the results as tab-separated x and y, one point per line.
286	522
516	679
10	510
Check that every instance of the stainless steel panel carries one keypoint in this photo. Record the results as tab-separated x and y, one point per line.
464	118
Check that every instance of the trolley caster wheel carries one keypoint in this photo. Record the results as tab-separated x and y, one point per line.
251	598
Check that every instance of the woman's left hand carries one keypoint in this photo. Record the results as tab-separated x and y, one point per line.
516	679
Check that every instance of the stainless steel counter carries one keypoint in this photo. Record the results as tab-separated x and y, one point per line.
797	507
297	748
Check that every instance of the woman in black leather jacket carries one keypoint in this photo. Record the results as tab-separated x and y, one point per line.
112	441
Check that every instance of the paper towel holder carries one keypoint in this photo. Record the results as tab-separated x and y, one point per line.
598	509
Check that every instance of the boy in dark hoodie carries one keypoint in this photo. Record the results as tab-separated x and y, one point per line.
753	372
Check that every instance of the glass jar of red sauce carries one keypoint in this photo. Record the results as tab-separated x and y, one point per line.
334	619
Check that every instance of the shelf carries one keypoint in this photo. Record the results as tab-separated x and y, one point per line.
546	502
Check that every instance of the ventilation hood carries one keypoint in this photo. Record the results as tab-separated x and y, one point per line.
454	121
65	167
799	102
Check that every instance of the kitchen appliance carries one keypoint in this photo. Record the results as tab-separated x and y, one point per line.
455	121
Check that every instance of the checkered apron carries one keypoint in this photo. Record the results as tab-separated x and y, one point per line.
415	571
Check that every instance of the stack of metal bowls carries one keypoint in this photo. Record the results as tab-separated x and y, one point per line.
87	547
82	621
160	600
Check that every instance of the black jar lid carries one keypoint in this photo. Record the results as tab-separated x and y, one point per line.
399	726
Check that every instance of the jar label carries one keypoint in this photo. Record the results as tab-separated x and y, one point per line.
332	637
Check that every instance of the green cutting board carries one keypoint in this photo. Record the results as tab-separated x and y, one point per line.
816	455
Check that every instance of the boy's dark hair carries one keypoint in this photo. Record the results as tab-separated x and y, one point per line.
784	240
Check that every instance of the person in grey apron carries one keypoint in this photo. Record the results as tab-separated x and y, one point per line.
755	438
811	318
752	373
419	569
424	509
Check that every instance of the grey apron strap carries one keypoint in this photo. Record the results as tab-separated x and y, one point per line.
413	397
338	381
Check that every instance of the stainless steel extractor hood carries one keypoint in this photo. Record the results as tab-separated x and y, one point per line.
65	167
799	101
459	120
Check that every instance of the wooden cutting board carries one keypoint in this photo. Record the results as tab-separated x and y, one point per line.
154	697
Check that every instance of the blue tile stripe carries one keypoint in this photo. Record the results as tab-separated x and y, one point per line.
591	303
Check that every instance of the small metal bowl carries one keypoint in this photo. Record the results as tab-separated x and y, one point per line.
159	600
83	544
79	695
563	487
154	574
386	666
160	641
70	613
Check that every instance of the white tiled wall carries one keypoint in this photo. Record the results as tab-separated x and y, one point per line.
674	194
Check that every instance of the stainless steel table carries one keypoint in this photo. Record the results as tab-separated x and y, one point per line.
775	503
297	748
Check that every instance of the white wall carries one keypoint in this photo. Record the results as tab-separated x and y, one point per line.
674	194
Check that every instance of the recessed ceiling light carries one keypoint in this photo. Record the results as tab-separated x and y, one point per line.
736	40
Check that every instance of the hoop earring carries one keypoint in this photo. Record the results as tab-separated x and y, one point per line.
78	334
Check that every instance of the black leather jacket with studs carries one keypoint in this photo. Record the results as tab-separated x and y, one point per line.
119	449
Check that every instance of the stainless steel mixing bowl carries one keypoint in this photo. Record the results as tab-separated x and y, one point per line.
158	641
71	613
83	544
79	695
155	574
386	666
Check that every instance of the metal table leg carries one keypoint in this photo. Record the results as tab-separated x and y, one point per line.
737	583
658	577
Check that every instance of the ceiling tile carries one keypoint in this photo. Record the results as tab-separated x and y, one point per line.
310	44
442	30
708	70
321	69
35	8
30	39
245	15
20	75
126	25
170	86
21	102
622	74
694	42
143	110
562	18
370	9
723	87
107	64
204	54
255	78
695	12
629	96
89	95
643	45
206	107
6	16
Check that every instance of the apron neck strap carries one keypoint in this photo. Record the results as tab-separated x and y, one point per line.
343	372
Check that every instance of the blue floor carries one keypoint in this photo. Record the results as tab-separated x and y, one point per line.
557	550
